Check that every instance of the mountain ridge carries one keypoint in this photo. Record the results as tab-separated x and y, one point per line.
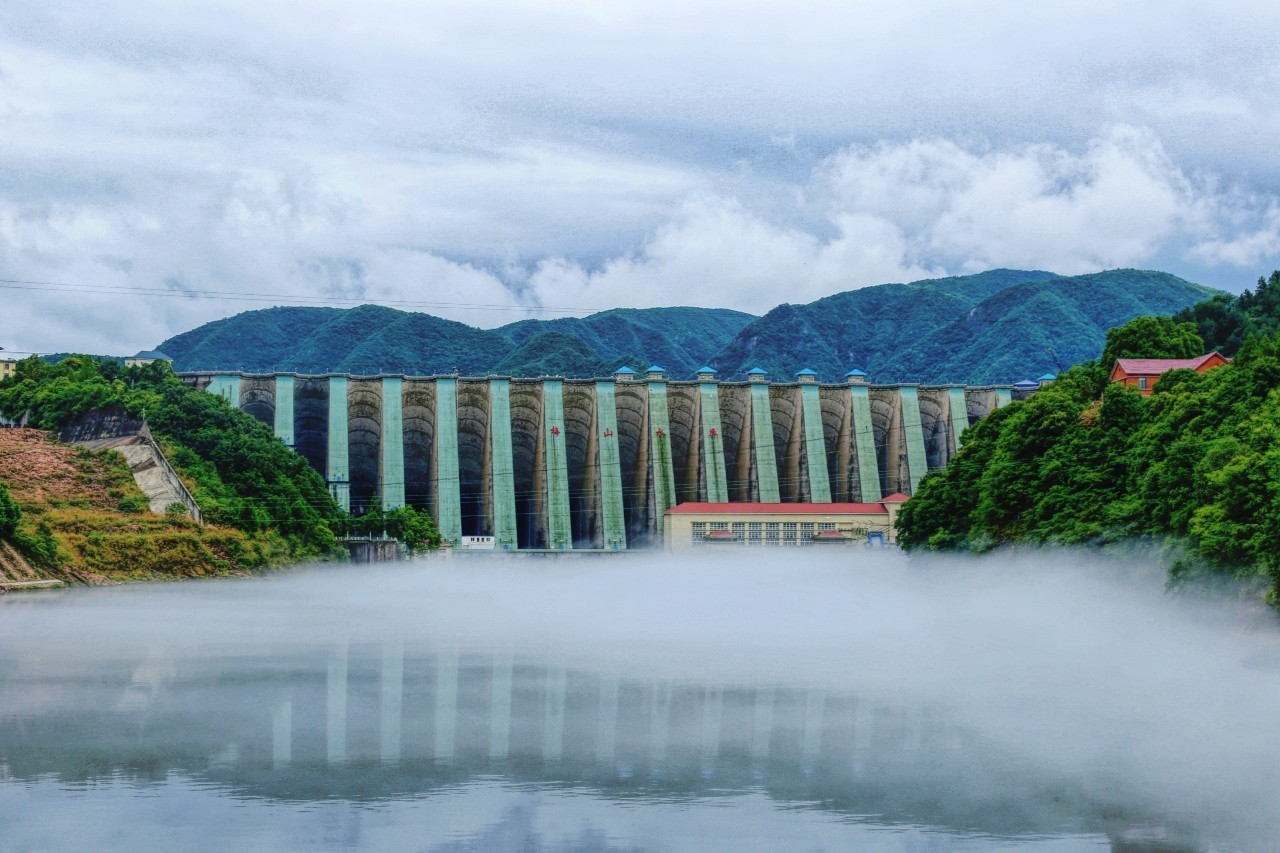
992	327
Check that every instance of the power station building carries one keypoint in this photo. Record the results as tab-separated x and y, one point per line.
694	525
555	463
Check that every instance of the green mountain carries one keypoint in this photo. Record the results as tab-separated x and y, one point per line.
864	328
993	327
1007	336
679	339
374	339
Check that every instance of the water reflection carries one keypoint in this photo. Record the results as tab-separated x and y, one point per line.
313	716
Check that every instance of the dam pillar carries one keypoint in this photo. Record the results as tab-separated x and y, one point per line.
664	474
864	441
392	442
448	487
1004	396
815	446
226	386
762	437
337	465
502	465
913	434
609	465
958	414
559	525
711	439
284	409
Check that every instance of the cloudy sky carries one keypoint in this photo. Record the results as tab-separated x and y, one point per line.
488	161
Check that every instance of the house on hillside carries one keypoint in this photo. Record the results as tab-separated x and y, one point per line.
146	357
1142	373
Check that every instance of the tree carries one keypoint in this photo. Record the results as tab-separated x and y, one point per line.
10	513
1152	337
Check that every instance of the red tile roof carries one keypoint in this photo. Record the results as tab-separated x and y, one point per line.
896	498
694	508
1156	366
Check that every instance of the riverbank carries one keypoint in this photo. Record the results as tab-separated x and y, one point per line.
85	521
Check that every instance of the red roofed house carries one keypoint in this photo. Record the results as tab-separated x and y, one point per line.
1142	373
694	525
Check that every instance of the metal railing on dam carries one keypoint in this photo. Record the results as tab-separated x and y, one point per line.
594	463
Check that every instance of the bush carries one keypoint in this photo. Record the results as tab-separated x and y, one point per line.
10	514
177	509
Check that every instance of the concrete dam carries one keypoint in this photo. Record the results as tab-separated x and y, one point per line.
557	463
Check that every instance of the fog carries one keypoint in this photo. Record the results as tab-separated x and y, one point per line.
752	700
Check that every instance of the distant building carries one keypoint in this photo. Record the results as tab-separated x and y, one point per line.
8	367
697	525
1142	373
146	357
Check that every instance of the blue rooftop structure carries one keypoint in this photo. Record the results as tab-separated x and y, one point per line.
1026	385
625	369
1048	377
855	372
653	368
755	371
806	372
705	369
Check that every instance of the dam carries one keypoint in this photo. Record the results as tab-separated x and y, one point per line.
558	464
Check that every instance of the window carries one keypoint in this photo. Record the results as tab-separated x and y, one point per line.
1142	383
771	532
699	532
789	532
739	530
755	531
719	525
826	525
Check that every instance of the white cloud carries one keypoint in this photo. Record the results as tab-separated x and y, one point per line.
586	155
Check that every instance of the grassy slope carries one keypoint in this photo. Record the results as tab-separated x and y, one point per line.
98	518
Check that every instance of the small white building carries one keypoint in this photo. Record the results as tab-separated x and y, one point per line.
147	357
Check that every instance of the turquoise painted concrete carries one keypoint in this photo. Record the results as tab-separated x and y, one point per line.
664	474
762	437
713	443
392	442
917	461
1004	396
504	469
284	409
559	529
337	468
864	445
448	485
959	413
226	386
613	511
815	448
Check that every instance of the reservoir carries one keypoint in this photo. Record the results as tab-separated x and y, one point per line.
765	700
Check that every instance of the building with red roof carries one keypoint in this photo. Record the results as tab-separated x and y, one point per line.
1142	373
693	524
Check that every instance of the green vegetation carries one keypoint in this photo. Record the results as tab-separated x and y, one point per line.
1151	337
994	327
1224	322
241	475
413	528
10	514
1195	466
373	339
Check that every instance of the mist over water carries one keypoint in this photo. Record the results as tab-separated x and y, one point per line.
753	700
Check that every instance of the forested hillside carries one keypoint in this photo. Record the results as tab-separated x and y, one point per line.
1195	465
994	327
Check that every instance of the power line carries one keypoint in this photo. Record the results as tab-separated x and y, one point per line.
299	300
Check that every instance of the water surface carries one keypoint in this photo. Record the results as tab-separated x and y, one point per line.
767	702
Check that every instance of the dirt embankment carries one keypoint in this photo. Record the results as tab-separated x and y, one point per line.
84	520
